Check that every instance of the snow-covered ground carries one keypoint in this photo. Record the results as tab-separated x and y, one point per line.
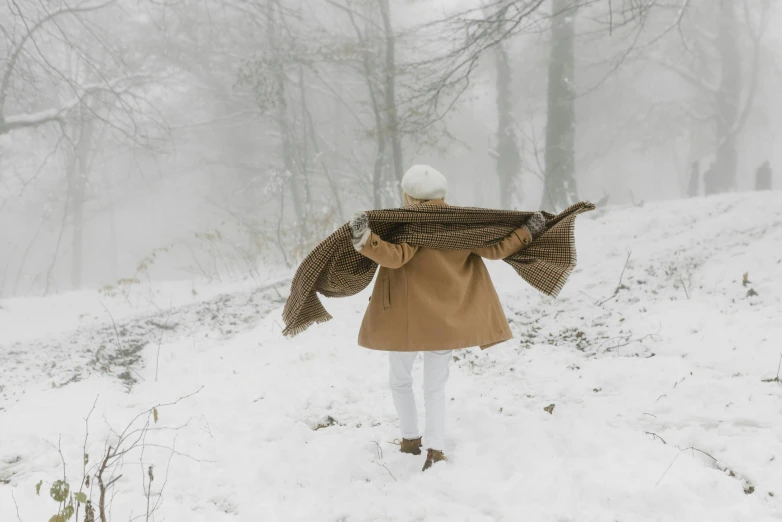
664	404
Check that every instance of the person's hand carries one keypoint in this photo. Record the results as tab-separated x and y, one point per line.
359	229
536	224
359	223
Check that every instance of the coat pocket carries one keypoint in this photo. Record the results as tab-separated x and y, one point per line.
386	293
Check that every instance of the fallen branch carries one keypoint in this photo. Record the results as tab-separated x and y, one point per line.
748	489
693	448
629	340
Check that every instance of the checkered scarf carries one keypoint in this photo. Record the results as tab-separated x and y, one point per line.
335	269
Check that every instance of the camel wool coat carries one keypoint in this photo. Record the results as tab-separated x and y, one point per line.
427	299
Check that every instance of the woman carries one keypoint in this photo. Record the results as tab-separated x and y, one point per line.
431	301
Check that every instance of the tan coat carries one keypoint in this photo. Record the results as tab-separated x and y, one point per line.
428	299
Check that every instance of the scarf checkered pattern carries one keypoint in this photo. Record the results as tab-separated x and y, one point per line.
335	269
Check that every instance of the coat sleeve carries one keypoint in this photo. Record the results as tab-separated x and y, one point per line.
389	255
518	239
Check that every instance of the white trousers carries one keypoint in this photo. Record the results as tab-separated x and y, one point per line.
435	377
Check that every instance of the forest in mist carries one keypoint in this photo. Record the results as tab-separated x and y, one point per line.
213	139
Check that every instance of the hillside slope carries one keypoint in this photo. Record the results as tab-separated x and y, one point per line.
664	403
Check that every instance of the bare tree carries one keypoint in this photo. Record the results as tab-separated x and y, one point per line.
708	56
507	154
392	117
71	84
24	57
374	84
475	31
560	153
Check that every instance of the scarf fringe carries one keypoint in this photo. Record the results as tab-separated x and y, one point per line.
294	330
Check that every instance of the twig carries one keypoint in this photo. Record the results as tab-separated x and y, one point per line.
116	332
649	414
776	379
655	435
17	506
180	454
379	449
681	450
629	341
612	338
699	450
58	447
159	500
119	343
610	19
386	468
208	429
101	487
149	489
669	467
686	292
112	481
380	456
84	452
589	296
619	286
126	433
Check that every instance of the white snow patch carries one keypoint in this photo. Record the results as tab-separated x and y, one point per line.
678	355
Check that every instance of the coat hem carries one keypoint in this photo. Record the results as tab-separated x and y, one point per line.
434	348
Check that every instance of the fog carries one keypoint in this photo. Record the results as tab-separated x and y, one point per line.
220	139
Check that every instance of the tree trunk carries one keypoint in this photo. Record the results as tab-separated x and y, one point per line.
508	157
694	184
560	189
23	261
302	144
281	104
77	185
392	117
728	98
310	130
380	137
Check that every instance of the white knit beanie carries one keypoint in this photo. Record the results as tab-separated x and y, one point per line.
424	182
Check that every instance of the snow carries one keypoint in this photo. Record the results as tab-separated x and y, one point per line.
676	360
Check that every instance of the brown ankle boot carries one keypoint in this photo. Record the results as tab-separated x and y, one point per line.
411	446
433	456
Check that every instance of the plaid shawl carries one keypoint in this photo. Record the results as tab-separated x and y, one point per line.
335	269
